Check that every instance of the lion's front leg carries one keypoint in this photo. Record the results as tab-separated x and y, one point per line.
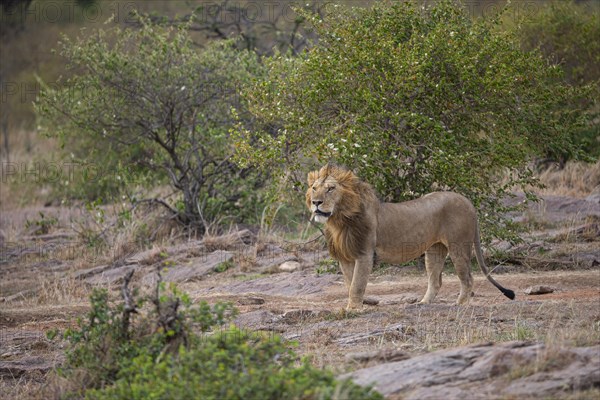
360	278
348	272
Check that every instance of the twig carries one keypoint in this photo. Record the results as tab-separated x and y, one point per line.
168	315
130	307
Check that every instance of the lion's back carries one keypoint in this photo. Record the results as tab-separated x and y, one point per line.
405	230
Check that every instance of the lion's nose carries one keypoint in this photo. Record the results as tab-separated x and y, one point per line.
317	202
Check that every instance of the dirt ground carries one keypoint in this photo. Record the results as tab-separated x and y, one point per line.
45	278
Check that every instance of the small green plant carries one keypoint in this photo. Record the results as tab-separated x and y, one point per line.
520	331
327	266
224	266
523	332
42	225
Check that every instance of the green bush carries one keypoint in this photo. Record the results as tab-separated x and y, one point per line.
108	340
567	34
414	100
145	106
231	364
175	350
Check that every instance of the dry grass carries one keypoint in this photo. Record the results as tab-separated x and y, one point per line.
23	388
576	179
246	262
61	291
558	339
230	241
559	324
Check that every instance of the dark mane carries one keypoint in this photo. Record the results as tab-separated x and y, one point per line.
345	236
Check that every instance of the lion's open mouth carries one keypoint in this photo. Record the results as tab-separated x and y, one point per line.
322	213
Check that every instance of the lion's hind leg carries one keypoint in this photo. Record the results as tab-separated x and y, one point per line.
460	253
435	257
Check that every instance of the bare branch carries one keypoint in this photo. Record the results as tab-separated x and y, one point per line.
130	306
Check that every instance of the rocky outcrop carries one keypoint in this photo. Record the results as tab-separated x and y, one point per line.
298	283
506	370
26	365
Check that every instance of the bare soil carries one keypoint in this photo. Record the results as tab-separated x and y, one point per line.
42	288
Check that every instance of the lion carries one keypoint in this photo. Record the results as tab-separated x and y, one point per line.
361	230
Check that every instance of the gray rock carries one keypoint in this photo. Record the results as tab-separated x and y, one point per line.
271	263
594	196
539	289
251	300
299	283
290	266
376	334
370	301
22	295
506	370
88	272
258	319
26	365
384	355
196	269
406	298
109	276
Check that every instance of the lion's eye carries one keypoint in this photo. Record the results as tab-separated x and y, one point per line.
330	189
314	189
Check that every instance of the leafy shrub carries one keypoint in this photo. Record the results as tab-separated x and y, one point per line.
567	34
106	341
414	100
177	351
232	364
42	225
145	106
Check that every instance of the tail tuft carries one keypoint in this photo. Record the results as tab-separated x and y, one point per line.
508	293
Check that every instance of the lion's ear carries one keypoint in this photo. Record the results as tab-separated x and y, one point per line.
312	177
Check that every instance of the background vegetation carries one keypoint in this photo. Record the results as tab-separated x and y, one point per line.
154	105
492	121
566	34
415	100
146	103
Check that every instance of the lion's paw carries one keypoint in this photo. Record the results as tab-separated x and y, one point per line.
354	306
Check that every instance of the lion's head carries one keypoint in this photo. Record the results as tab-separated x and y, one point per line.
335	195
333	192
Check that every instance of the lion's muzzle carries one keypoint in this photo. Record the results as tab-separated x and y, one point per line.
321	216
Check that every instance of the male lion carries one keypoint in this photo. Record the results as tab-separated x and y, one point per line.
358	228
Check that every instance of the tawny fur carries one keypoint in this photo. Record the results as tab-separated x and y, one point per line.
358	226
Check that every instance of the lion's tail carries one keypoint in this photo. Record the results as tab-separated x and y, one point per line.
507	292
